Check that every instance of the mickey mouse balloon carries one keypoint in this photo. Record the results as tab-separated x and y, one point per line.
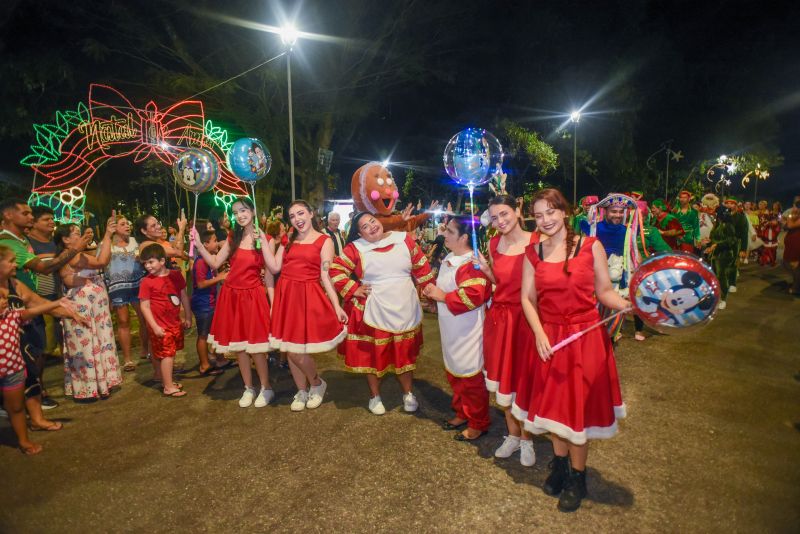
196	170
473	156
249	159
674	291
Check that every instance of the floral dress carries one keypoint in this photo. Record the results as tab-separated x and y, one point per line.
91	367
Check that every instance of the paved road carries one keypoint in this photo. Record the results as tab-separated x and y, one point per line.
710	444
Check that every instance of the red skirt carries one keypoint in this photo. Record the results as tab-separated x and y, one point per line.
241	321
506	339
576	393
373	351
303	319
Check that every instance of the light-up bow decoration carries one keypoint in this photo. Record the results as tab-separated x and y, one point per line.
69	152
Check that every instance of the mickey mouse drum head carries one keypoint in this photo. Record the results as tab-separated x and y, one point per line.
674	291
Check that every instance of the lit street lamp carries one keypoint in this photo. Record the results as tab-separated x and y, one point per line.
289	38
575	116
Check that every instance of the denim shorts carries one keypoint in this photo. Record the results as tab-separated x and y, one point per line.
203	321
13	381
123	297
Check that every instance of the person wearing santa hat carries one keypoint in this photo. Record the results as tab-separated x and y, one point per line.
460	293
690	221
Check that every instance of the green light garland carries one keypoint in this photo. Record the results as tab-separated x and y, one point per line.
50	136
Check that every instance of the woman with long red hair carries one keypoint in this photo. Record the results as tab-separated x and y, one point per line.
572	393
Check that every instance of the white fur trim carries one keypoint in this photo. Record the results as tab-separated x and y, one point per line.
503	399
518	413
540	425
239	346
308	348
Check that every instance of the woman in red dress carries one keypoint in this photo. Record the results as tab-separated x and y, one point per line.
241	317
306	319
574	392
385	326
505	334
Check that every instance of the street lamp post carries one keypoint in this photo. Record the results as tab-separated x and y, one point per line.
289	38
575	116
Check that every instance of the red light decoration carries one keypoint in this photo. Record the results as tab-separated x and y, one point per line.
111	127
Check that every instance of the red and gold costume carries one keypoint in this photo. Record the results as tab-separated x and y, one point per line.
384	330
461	317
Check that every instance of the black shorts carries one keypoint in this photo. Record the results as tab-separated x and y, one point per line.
203	321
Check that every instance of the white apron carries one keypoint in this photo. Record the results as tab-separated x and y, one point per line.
393	304
462	334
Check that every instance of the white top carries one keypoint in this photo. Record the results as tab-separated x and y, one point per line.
462	334
393	304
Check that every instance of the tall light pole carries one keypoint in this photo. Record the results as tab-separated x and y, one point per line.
575	116
289	38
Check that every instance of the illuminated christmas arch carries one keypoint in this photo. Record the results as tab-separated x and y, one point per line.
67	153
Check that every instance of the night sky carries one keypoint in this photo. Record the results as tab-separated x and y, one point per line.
713	77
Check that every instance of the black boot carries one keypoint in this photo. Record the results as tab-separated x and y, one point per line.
559	472
574	491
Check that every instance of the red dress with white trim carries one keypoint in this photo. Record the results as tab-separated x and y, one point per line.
575	394
506	334
303	318
385	329
241	316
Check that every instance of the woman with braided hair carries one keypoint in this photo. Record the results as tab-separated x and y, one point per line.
572	393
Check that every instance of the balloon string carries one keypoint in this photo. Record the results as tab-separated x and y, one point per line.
472	219
194	225
255	215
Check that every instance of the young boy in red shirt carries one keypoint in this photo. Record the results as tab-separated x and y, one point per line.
162	293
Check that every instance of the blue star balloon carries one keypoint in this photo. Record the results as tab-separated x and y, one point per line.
473	156
249	159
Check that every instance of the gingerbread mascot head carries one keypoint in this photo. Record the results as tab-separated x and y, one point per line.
374	189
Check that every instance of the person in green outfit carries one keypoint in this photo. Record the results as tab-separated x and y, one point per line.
742	228
690	221
580	220
724	250
667	224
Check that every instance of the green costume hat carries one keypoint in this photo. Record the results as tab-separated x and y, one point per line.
660	204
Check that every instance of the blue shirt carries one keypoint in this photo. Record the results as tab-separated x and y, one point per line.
203	300
612	236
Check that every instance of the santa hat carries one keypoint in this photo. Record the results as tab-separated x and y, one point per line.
686	193
590	200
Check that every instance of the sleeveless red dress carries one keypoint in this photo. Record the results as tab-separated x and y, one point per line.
506	334
303	319
241	315
575	394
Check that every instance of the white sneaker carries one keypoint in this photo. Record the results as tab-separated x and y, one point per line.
247	397
527	456
299	401
3	413
315	394
722	305
376	406
732	289
410	403
510	446
264	397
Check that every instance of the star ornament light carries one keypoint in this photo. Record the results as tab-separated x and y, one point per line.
575	116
